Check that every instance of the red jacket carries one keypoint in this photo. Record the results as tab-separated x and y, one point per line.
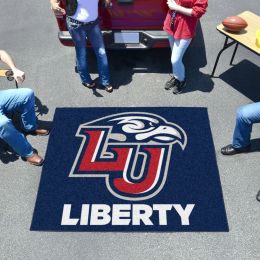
185	26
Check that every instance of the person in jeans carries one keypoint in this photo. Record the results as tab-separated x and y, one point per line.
19	101
180	24
246	116
82	22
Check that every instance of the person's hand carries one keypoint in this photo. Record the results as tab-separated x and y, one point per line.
108	3
57	9
172	5
18	75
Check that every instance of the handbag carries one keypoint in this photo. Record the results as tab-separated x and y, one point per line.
173	16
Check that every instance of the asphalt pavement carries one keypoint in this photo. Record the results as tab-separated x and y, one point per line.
28	31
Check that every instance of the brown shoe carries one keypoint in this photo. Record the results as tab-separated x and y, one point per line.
35	159
39	131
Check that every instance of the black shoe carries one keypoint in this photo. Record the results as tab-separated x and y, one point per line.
178	86
258	196
230	150
170	83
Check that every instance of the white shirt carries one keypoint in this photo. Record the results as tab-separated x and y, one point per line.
87	11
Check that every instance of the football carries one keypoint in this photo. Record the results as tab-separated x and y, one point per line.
234	23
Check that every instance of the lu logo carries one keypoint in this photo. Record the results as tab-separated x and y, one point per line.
131	151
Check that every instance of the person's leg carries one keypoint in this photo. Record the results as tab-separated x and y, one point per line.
178	50
22	101
246	116
14	138
97	42
170	83
78	35
171	40
178	47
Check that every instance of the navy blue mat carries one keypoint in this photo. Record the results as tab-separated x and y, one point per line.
130	169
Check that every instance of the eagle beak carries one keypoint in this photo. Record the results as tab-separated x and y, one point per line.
165	134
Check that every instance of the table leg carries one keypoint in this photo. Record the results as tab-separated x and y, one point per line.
226	45
234	53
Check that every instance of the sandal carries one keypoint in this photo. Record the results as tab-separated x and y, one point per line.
108	88
89	85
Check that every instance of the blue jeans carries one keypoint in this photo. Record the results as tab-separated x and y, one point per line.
80	33
17	101
246	116
179	47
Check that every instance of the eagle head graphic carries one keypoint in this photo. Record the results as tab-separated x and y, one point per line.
141	127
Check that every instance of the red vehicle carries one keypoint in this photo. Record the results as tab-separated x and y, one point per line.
132	24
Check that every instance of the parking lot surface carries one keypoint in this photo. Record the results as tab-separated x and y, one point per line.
28	31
